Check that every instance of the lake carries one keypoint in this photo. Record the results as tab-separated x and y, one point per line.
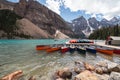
22	55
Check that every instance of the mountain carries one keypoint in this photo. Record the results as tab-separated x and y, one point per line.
13	26
104	22
31	29
6	5
87	26
42	17
38	15
78	25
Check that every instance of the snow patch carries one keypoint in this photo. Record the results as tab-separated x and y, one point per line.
87	32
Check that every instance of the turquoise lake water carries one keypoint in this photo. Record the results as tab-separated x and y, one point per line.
22	55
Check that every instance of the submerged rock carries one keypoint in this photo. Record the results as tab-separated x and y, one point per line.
59	79
102	64
32	78
79	67
114	76
86	75
89	67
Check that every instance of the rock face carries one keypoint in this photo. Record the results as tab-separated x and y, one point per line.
42	17
28	28
60	35
6	5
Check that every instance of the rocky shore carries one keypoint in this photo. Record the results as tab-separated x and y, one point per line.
103	70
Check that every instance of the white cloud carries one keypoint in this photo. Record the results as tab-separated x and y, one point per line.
54	5
108	8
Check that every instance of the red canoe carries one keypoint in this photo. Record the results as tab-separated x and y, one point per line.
117	51
105	51
64	49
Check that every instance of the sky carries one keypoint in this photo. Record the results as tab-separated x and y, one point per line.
71	9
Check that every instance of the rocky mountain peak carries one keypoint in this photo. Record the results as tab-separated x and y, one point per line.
81	18
114	19
88	26
104	20
92	19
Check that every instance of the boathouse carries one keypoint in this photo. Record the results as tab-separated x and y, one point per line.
113	40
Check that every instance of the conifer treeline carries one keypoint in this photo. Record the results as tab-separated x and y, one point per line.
104	32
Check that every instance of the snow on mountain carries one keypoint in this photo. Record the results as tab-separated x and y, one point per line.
80	24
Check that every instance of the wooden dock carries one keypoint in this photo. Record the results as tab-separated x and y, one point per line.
102	44
96	43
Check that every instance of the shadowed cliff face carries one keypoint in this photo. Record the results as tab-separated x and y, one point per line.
42	17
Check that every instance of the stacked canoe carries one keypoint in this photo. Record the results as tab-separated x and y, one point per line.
81	41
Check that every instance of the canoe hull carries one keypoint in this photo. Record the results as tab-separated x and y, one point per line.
53	49
42	47
83	51
63	50
116	51
71	50
109	52
91	50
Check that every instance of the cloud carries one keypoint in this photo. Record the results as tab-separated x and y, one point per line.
54	5
108	8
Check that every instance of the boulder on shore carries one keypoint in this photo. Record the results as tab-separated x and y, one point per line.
63	73
114	76
103	76
107	67
86	75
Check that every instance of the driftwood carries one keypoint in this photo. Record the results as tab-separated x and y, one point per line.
13	76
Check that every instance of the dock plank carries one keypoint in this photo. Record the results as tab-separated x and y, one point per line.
104	45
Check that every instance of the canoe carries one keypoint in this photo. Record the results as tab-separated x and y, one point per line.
43	47
91	50
64	49
71	49
105	51
53	49
81	50
117	51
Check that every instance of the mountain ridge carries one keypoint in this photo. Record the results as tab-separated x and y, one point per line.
87	26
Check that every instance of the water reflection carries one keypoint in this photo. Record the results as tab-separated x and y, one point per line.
105	56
